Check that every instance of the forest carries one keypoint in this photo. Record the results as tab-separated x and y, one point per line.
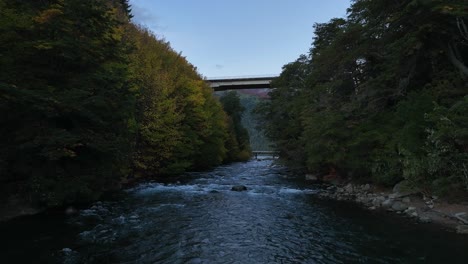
91	101
258	141
381	96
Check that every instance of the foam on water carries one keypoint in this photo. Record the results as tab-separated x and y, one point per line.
154	188
277	220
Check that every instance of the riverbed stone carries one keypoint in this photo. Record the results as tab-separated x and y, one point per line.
410	209
239	188
425	219
311	177
399	206
363	200
406	200
349	188
462	229
404	188
378	201
387	203
463	217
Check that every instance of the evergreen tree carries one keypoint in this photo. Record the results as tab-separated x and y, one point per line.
368	100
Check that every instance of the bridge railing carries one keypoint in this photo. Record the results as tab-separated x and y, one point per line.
241	77
272	153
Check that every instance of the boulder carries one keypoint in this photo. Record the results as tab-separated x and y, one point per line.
399	206
387	203
410	210
404	188
238	188
463	217
377	202
462	229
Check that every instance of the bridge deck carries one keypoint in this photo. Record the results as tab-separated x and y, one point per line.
238	83
265	153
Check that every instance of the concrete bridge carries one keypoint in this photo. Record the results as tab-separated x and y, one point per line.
240	82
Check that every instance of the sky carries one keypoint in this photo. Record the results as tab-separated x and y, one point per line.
237	37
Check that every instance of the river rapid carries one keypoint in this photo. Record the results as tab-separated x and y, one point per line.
278	219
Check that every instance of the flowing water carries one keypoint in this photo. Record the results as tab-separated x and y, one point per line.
277	220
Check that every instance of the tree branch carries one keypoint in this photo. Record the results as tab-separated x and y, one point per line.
455	61
462	27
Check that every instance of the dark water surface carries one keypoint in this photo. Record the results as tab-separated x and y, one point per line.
278	220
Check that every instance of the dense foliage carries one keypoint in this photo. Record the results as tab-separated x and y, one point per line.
249	101
89	99
180	124
382	96
238	137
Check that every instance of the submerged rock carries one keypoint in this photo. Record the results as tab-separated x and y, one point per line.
239	188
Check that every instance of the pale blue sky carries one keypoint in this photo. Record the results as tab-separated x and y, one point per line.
237	37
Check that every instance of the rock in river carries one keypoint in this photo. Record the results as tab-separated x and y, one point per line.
399	206
311	177
239	188
462	229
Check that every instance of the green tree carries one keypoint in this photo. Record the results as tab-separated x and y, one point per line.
238	144
65	132
373	85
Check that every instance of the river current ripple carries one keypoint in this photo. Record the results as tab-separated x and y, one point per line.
277	220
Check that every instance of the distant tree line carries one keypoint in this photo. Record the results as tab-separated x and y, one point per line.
382	96
89	100
257	139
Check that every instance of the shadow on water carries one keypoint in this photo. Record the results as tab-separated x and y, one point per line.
200	220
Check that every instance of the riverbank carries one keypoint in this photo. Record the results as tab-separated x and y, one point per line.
403	201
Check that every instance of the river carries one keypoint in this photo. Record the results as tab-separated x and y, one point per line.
200	220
